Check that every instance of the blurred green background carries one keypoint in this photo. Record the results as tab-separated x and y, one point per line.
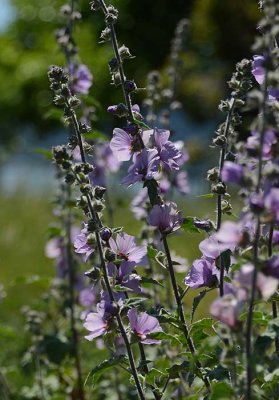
221	33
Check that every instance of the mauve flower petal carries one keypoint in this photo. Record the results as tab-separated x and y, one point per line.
121	145
132	315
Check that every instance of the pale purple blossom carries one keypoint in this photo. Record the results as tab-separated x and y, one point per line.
181	182
121	145
227	310
98	323
123	275
272	203
144	168
125	247
138	205
273	267
202	273
231	172
143	324
81	244
167	151
165	217
82	78
87	297
253	144
258	70
266	285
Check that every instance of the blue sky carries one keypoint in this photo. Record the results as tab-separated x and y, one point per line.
6	15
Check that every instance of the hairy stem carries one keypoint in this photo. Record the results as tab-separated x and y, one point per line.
180	310
219	196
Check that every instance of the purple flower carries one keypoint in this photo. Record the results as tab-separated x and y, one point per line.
273	267
202	273
167	151
165	217
231	172
266	285
181	182
273	94
272	203
143	324
82	78
253	144
123	275
125	247
227	310
121	145
138	205
81	245
229	235
104	162
145	167
258	70
87	297
275	237
98	322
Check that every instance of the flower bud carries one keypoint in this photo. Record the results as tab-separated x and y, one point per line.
98	206
224	106
213	174
99	192
58	100
70	178
120	110
219	188
220	141
94	273
113	65
84	128
109	255
129	86
226	207
92	226
85	188
82	202
105	35
74	101
124	52
105	234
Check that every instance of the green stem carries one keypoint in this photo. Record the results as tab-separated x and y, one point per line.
180	310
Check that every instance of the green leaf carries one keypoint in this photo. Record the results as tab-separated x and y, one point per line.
176	369
221	390
133	302
44	152
219	373
56	347
188	225
262	344
154	374
95	135
197	329
196	302
147	281
151	252
207	195
164	336
140	123
117	229
152	189
97	372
